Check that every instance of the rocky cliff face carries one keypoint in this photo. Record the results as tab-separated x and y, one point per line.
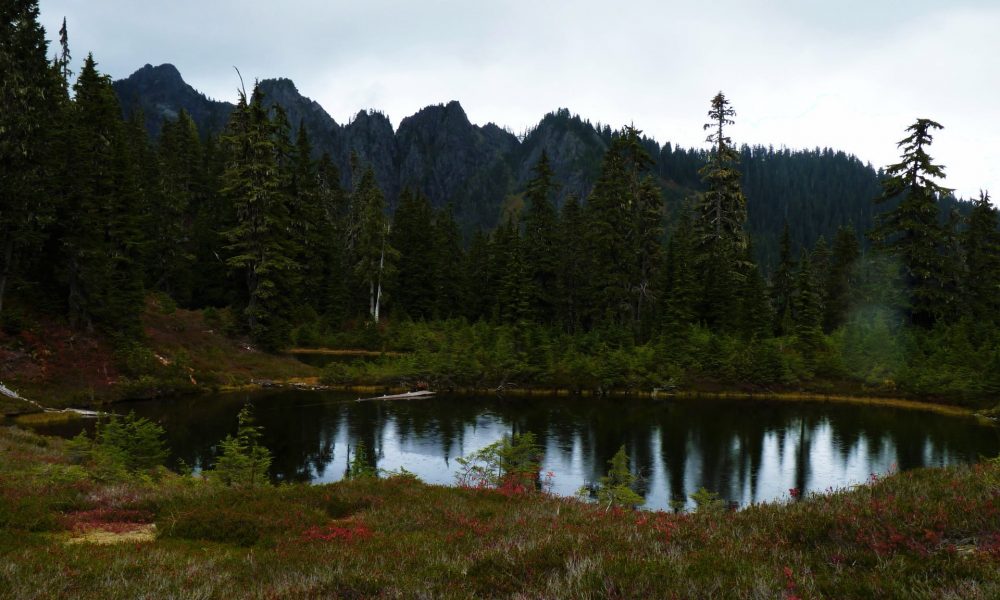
475	169
371	138
160	92
574	148
455	162
437	151
323	130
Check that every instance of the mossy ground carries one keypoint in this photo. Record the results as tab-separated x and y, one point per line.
932	533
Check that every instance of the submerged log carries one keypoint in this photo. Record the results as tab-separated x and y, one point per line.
404	396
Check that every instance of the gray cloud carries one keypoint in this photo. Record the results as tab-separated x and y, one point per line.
850	75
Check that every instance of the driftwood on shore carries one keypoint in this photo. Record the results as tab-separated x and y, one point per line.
6	391
403	396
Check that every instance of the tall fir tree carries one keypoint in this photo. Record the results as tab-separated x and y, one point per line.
213	282
311	231
258	242
449	261
981	276
102	213
29	102
372	254
480	279
540	231
808	307
623	234
513	298
681	292
721	218
756	314
572	267
839	284
783	286
336	278
180	163
414	284
911	231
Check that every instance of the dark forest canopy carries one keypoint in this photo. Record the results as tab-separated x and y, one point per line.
786	253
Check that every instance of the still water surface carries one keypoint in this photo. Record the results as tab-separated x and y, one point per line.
747	451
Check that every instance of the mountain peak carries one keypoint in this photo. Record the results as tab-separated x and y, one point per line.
279	84
161	93
165	73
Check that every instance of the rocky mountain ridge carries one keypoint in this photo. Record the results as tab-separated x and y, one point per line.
437	150
480	171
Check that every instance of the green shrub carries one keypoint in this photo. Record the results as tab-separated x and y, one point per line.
616	487
508	459
359	467
121	446
706	501
243	461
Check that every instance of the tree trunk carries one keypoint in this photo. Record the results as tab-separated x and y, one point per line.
378	296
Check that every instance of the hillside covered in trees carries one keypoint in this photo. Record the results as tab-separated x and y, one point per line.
578	256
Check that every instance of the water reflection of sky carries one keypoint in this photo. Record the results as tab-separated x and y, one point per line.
807	454
746	451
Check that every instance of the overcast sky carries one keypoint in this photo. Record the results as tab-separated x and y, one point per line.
847	74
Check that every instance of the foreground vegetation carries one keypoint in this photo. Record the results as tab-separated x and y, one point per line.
932	533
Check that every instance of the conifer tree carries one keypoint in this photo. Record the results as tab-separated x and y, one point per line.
540	223
243	460
311	229
821	256
371	252
259	239
479	275
180	163
681	282
449	261
102	214
412	237
63	60
616	486
981	276
839	283
513	296
808	307
572	267
721	218
28	104
336	276
213	282
623	233
783	286
911	231
756	315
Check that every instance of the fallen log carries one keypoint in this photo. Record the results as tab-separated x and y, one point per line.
404	396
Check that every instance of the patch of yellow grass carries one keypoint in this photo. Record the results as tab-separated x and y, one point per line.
142	533
46	418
